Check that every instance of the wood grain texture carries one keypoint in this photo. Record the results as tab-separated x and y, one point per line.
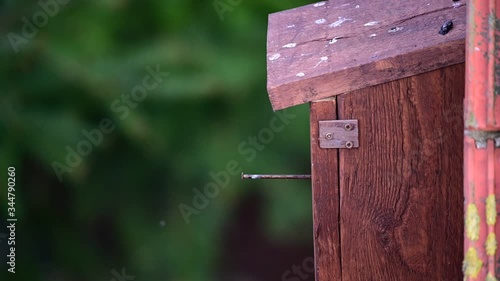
325	188
402	191
333	47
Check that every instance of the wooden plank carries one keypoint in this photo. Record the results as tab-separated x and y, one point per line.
333	47
325	188
402	191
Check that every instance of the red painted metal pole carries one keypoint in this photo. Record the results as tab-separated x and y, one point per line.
482	141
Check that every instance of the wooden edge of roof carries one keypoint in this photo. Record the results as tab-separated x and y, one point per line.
428	53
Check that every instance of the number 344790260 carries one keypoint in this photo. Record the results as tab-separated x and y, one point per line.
11	182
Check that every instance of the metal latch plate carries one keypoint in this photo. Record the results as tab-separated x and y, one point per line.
338	134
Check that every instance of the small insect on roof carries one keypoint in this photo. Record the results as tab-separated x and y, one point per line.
333	47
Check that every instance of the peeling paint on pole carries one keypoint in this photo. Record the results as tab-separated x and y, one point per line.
481	149
472	263
491	210
472	221
490	278
491	244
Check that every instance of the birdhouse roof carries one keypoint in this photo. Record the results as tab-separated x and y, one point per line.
333	47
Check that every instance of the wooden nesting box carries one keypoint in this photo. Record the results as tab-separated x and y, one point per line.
386	96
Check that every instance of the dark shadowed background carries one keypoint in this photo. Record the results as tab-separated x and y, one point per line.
126	173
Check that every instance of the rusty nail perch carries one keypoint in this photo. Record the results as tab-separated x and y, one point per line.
275	177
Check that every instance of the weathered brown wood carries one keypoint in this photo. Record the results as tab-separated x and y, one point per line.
333	47
401	190
325	189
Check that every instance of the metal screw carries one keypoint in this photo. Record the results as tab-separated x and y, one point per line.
348	127
329	136
349	144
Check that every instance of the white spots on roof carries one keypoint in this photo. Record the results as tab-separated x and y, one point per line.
372	23
373	35
291	45
335	39
275	56
320	21
339	22
477	49
357	6
322	59
343	5
457	4
290	26
300	74
319	4
395	29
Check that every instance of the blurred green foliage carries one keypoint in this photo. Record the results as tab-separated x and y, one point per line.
119	208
